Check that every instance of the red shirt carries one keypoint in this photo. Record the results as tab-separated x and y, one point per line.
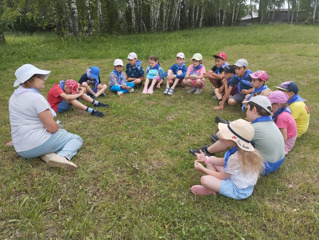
54	97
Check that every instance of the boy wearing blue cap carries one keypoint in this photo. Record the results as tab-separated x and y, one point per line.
299	109
92	83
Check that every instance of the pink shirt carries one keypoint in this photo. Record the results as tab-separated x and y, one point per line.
285	120
197	72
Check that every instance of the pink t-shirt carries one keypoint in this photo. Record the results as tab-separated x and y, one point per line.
196	72
285	120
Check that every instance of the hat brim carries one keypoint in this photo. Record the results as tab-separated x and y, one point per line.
280	88
215	56
30	73
228	135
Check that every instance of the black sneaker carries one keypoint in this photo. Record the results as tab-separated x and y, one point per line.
204	150
214	138
220	120
97	113
102	105
137	86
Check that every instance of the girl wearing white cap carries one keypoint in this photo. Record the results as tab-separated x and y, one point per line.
33	129
236	174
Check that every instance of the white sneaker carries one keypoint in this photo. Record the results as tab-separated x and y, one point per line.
191	90
131	90
53	160
198	91
119	93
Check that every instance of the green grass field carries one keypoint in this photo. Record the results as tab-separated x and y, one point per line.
134	167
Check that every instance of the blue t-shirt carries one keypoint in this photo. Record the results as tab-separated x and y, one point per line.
135	72
90	82
175	68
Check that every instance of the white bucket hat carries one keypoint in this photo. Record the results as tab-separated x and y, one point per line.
26	71
240	131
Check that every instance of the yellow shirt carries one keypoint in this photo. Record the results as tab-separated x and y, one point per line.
300	113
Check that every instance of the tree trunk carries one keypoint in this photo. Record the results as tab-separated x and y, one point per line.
197	15
75	20
99	16
57	18
314	12
132	4
123	21
193	16
165	13
224	15
69	24
178	17
288	3
2	38
201	17
233	15
89	18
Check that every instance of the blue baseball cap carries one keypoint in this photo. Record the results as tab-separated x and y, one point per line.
289	86
95	72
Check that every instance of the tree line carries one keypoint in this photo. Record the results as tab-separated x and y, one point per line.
94	17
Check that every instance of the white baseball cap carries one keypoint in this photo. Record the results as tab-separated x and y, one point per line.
241	63
118	62
132	55
180	55
262	101
26	71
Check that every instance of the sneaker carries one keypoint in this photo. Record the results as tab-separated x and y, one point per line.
102	105
220	120
131	90
166	90
212	93
198	91
53	160
103	95
171	92
119	93
214	97
204	150
214	138
137	86
97	113
191	90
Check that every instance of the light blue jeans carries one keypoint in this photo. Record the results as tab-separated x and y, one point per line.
116	88
63	143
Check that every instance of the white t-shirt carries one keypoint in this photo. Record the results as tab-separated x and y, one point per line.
27	129
237	177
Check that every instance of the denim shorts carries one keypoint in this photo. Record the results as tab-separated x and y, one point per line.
63	106
229	189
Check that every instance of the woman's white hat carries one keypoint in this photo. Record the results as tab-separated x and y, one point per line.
26	71
239	131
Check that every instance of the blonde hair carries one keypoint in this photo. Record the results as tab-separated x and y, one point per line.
250	161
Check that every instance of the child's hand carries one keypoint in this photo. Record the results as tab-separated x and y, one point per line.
219	107
193	76
200	156
198	166
158	85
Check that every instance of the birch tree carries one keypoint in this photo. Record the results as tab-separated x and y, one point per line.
132	5
75	18
89	18
99	17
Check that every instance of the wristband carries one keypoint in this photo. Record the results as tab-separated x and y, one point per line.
207	160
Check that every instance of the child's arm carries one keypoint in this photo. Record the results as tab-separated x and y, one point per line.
220	175
284	133
225	98
72	96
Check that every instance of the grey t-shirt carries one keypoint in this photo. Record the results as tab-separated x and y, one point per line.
27	129
269	141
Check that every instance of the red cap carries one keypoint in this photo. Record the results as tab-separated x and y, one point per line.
221	55
73	85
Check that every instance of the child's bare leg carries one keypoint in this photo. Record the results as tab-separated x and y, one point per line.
101	89
147	81
221	146
77	104
211	183
168	82
87	88
199	84
86	98
176	82
218	94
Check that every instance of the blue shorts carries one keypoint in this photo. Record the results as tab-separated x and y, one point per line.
271	167
229	189
63	106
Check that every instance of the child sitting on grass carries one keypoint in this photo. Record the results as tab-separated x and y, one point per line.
64	95
92	83
195	75
229	72
158	80
118	82
237	173
299	109
134	70
215	75
175	74
283	119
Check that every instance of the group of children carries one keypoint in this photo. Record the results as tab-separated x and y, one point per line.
253	147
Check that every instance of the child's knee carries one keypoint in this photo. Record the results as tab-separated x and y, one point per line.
179	72
137	81
204	180
84	84
231	102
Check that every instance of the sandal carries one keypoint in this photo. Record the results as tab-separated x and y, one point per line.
166	90
171	92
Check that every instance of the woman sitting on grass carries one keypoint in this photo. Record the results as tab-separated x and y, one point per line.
236	174
33	129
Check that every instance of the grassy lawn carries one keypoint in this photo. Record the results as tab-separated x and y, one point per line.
134	167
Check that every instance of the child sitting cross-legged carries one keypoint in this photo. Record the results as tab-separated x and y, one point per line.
237	173
64	95
118	83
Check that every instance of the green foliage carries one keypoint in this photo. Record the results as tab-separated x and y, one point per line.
134	167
